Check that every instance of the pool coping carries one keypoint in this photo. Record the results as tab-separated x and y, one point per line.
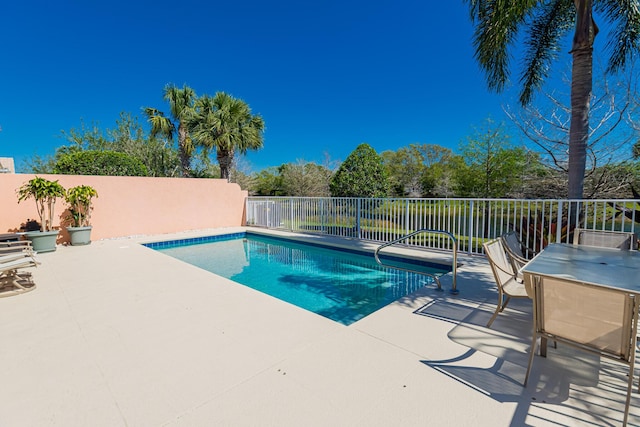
411	255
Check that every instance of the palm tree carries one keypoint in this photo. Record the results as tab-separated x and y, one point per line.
546	23
181	103
225	123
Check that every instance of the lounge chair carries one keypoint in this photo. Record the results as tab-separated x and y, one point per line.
605	239
12	256
505	276
15	250
9	237
12	280
593	318
17	246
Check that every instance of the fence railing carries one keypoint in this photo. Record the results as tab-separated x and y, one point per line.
471	221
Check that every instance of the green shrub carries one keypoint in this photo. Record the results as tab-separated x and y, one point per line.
100	163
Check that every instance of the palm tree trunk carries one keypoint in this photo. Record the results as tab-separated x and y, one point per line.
581	86
225	161
183	151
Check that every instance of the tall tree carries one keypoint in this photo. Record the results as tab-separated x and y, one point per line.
440	166
545	24
303	179
493	167
268	182
405	168
181	104
440	179
159	156
360	175
225	124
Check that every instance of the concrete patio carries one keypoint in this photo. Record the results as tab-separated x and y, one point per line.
117	334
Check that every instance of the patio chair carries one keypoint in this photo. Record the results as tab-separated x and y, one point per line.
588	317
12	280
505	276
514	249
605	239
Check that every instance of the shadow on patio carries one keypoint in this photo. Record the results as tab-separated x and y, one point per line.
569	387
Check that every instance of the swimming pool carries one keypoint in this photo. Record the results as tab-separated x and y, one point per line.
342	285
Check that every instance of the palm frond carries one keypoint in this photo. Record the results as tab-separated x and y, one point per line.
497	25
550	22
474	11
225	123
189	147
180	100
161	125
624	39
150	112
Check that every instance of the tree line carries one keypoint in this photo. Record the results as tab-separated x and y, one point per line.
487	164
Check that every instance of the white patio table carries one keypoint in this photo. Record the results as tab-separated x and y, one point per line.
607	267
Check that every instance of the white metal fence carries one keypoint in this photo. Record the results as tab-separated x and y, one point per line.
471	221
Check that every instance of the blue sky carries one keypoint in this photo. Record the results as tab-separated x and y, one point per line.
325	76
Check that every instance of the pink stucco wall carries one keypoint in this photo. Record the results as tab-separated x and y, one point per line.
129	206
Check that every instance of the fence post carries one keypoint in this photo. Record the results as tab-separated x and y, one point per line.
247	219
559	222
290	214
267	216
406	218
470	227
358	212
323	225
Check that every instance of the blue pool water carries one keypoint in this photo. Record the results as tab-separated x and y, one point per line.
344	286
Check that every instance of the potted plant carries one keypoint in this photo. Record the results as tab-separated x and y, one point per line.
45	193
79	199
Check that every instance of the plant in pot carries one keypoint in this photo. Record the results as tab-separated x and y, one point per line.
80	206
45	193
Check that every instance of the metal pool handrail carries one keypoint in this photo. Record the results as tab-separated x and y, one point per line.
424	230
